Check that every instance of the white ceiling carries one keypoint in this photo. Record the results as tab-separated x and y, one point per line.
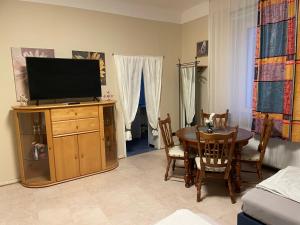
178	5
176	11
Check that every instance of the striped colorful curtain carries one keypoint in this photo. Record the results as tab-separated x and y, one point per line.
276	88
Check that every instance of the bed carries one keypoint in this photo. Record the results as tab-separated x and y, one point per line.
269	208
274	201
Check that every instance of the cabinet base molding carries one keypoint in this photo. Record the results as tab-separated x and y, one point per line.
64	181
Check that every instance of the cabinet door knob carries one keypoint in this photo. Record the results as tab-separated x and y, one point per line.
75	156
82	155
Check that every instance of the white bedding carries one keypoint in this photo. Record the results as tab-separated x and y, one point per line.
285	182
279	153
185	216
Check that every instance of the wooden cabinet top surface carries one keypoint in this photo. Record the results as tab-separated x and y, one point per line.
60	105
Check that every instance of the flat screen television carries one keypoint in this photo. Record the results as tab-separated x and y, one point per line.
55	78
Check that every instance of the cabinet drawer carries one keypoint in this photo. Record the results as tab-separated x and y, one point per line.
87	112
64	127
63	114
91	124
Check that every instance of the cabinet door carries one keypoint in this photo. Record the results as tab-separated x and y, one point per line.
35	147
89	152
66	157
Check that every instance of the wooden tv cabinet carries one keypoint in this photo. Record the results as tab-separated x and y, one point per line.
59	142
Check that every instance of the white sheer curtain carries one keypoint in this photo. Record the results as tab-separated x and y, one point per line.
129	73
188	93
232	26
152	71
182	113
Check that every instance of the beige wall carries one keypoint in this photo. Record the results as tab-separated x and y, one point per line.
65	29
193	32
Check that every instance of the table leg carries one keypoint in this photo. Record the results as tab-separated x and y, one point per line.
186	165
238	169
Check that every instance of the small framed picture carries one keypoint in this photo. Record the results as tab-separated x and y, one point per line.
202	48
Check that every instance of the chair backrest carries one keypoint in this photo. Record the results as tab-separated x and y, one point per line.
265	136
216	150
166	131
219	120
203	117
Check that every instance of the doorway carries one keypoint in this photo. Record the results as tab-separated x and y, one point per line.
140	128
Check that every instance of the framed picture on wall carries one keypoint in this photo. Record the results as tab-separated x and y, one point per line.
202	48
19	67
93	55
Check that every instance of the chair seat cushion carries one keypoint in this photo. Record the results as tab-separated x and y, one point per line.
250	153
208	168
176	151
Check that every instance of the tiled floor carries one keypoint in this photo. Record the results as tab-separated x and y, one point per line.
133	194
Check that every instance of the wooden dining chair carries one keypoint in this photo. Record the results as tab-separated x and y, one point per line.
254	155
214	159
219	120
173	152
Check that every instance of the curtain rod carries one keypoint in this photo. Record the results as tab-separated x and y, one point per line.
152	56
187	64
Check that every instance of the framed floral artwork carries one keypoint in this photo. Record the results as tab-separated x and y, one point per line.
93	55
19	67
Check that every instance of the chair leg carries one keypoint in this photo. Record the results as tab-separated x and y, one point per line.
199	183
259	171
197	177
167	170
174	164
230	190
192	171
233	171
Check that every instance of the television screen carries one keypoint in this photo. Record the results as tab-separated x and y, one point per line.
54	78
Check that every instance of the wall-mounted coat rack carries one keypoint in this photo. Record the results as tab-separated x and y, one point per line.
180	65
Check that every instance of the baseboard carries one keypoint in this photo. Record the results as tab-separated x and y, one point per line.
121	157
13	181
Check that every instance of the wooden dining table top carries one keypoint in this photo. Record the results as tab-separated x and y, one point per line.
189	134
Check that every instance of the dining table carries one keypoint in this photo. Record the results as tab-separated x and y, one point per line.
187	136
